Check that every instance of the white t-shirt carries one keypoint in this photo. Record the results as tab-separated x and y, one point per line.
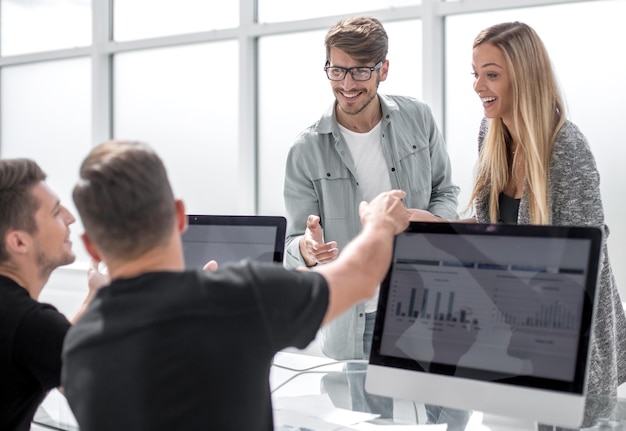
371	172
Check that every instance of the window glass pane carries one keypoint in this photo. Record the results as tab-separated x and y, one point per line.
284	10
291	100
140	19
591	74
184	104
288	103
46	116
405	59
43	25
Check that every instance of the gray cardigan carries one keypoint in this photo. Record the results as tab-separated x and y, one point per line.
574	197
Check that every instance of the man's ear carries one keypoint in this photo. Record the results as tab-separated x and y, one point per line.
91	248
17	241
384	70
181	217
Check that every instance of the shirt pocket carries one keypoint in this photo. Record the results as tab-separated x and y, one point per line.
414	174
335	191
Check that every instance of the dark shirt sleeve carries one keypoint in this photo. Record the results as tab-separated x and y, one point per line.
39	343
293	303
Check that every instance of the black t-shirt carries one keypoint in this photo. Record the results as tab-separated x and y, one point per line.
190	350
31	339
509	209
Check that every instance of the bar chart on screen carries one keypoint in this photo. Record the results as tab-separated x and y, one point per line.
477	306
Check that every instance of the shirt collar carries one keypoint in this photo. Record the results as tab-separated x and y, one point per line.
328	122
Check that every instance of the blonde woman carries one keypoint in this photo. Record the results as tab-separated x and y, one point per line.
536	167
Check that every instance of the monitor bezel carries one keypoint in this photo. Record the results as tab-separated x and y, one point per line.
577	385
279	222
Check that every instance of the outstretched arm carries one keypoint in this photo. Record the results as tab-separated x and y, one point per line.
361	266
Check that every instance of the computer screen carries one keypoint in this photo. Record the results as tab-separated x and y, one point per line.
496	318
231	238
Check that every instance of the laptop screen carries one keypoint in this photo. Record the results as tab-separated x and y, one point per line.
231	238
506	305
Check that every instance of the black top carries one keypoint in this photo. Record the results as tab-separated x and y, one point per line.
509	208
31	339
188	350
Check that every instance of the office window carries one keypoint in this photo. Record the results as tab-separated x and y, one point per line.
405	59
290	102
591	71
284	10
46	115
43	25
183	101
140	19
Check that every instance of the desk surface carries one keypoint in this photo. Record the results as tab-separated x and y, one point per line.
315	393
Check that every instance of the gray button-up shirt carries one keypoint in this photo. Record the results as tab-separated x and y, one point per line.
320	180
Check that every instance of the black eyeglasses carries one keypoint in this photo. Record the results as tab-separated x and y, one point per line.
361	73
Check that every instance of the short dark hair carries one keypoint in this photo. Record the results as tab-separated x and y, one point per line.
124	198
362	38
18	205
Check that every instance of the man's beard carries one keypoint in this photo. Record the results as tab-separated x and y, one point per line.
365	104
47	264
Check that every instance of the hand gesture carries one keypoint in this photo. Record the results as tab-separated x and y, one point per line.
210	266
97	277
386	210
312	246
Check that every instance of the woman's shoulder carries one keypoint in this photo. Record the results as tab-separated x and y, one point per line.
570	141
570	134
571	152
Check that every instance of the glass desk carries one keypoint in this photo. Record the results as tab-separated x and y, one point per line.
316	393
312	393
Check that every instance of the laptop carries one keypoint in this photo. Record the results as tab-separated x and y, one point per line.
494	318
232	238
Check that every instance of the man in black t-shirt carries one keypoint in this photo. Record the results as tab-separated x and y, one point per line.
165	348
34	240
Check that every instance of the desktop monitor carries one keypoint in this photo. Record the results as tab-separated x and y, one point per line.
232	238
495	318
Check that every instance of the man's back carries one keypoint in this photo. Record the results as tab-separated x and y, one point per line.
188	350
31	336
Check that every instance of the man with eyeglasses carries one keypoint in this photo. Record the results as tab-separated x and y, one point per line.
364	144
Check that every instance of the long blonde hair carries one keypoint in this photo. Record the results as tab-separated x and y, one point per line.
538	115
